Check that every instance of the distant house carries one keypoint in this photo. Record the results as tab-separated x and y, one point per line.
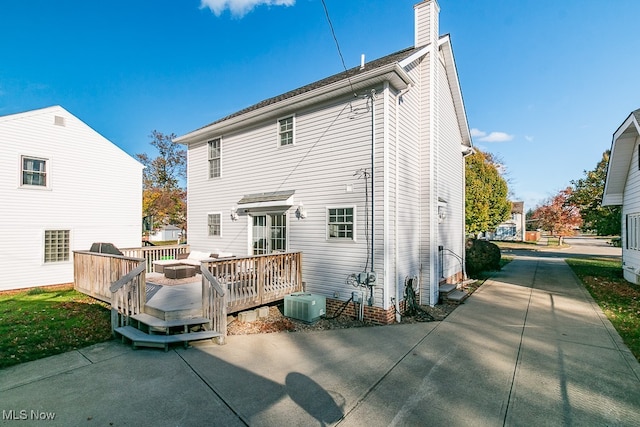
165	234
63	186
512	229
363	172
622	188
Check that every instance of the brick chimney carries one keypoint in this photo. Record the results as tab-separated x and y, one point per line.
426	22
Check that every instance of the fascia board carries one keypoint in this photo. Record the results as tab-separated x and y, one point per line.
622	147
444	43
396	75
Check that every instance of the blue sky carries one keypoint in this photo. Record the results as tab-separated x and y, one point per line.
545	82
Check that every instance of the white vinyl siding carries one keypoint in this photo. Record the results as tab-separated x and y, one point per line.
320	132
215	158
403	191
631	219
94	190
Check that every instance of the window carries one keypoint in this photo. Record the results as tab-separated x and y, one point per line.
214	158
214	224
633	231
34	171
269	233
285	131
56	245
340	223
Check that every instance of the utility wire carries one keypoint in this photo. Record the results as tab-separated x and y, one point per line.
326	11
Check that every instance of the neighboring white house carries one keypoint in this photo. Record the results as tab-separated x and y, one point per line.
295	173
512	229
165	234
622	187
63	186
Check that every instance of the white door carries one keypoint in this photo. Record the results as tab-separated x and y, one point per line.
269	233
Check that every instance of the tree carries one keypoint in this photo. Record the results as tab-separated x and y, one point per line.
558	215
587	196
486	192
164	197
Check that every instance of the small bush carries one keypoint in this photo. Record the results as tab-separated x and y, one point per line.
482	256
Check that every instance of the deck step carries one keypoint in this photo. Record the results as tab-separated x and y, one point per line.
456	296
142	339
446	288
155	322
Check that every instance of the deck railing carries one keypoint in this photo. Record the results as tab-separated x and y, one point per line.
128	297
94	273
156	253
116	279
257	280
214	304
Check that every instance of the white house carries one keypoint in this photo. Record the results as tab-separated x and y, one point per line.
514	228
363	172
622	187
63	186
165	234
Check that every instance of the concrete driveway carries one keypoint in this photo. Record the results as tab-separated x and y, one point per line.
530	347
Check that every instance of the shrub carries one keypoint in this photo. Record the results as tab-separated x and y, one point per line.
482	256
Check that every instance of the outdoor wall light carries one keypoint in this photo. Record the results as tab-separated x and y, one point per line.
442	213
301	212
234	214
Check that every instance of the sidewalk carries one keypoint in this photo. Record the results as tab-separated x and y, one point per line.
530	347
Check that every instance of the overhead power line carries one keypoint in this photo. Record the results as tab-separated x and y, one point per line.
333	33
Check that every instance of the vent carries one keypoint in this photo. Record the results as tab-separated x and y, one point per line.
58	120
305	307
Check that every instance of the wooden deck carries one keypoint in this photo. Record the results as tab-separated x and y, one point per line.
225	286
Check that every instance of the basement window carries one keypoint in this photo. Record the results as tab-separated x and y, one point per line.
56	245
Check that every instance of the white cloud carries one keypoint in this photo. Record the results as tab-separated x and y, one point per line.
528	138
490	137
477	133
240	8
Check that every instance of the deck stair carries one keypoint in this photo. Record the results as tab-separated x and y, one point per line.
172	315
453	293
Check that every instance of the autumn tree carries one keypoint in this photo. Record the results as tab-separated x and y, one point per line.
587	196
486	192
164	196
558	215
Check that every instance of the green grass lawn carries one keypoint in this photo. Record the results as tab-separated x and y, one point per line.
619	299
41	322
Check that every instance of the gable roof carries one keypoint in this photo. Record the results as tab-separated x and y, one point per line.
388	68
350	81
58	110
624	141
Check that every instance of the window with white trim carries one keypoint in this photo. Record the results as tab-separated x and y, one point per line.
56	245
340	223
34	171
633	231
214	158
214	224
285	131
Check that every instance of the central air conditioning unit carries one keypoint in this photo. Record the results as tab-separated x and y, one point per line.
304	306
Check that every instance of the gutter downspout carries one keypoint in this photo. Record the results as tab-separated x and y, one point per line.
373	156
397	205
